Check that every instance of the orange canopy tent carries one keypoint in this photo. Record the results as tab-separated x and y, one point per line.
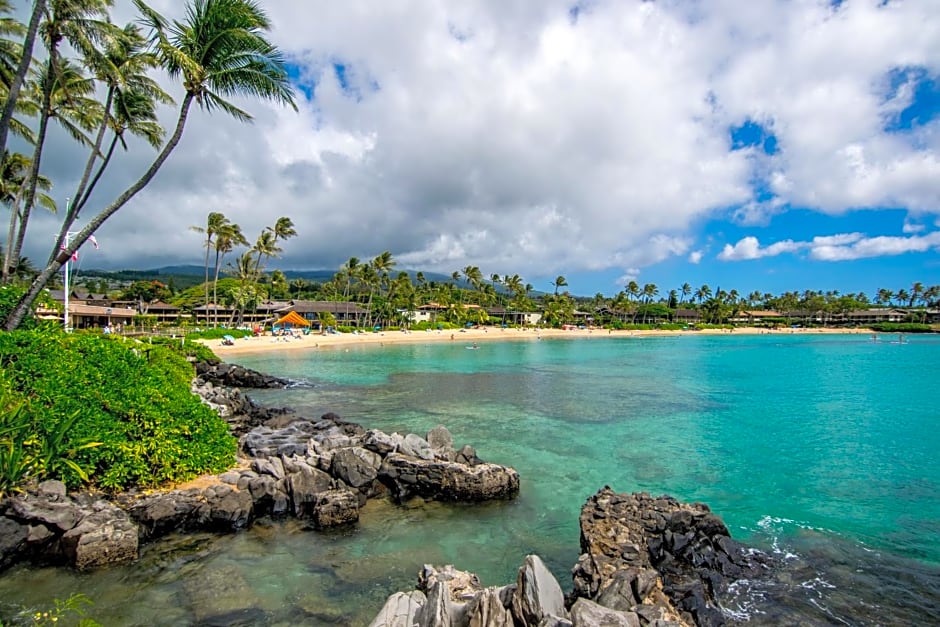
294	318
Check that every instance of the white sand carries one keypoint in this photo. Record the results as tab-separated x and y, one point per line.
315	341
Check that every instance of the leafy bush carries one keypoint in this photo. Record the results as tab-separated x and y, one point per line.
901	327
192	351
132	400
9	296
217	334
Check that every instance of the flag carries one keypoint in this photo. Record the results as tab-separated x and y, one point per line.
91	238
74	255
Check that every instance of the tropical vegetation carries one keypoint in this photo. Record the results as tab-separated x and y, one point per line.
96	80
86	408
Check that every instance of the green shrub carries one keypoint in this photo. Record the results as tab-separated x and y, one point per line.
218	333
901	327
131	399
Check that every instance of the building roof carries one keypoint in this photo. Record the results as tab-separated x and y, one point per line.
99	310
321	306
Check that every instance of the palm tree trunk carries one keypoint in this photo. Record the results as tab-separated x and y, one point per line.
15	246
22	306
29	41
73	209
215	292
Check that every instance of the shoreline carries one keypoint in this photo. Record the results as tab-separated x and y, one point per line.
316	341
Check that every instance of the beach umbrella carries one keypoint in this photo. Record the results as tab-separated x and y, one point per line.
228	337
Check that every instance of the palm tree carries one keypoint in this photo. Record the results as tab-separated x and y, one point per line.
67	98
703	293
130	105
226	239
650	291
214	223
265	246
884	296
283	229
559	281
62	90
19	76
902	296
685	291
917	291
14	169
219	51
632	290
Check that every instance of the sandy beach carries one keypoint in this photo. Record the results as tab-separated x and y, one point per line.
315	341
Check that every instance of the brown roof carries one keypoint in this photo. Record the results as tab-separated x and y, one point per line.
97	310
319	306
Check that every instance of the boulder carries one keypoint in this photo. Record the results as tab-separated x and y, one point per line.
440	439
487	609
104	537
356	466
672	559
416	446
586	613
400	610
235	376
303	487
538	594
13	536
380	442
335	507
216	508
440	480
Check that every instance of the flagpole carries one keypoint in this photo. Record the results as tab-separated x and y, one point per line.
65	283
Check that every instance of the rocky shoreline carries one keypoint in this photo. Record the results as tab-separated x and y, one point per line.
644	560
319	470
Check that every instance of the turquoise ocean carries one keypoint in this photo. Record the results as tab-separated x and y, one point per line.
823	450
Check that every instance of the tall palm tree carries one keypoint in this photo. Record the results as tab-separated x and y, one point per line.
917	291
685	291
67	97
129	105
703	293
650	291
19	76
226	239
902	296
473	276
215	222
219	51
632	290
265	246
884	296
559	281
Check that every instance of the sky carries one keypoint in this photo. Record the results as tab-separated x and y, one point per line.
761	145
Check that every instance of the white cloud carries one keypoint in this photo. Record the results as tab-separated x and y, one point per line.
876	247
750	248
912	227
840	247
538	145
695	256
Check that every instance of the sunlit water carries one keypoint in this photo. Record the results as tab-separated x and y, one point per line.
822	449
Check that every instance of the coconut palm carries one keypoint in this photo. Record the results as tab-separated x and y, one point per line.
265	246
214	223
67	97
220	52
226	239
129	106
684	292
559	281
19	76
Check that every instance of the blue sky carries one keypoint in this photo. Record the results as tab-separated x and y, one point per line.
769	145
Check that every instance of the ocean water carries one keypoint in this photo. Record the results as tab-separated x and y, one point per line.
824	450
